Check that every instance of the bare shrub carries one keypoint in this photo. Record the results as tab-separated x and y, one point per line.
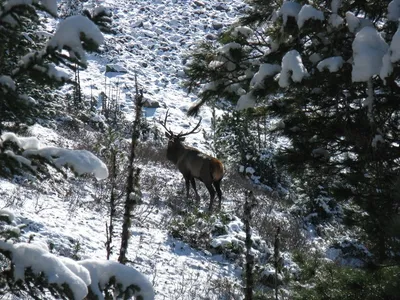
152	153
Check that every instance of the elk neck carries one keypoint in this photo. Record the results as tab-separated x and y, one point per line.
175	151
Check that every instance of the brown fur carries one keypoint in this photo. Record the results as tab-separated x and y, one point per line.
218	169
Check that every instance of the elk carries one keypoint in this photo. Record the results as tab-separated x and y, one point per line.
194	164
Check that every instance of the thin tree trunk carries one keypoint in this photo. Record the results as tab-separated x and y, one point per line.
249	257
110	228
276	259
132	186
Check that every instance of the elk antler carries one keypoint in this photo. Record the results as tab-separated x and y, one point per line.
192	131
164	124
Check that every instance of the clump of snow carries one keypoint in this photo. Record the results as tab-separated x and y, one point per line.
81	161
334	19
292	67
224	57
53	72
215	64
68	36
7	81
20	159
51	6
352	21
394	49
22	142
242	30
377	139
102	10
308	12
77	269
289	9
368	50
246	101
335	5
78	275
102	271
392	56
265	70
394	10
8	213
355	23
28	99
225	49
333	64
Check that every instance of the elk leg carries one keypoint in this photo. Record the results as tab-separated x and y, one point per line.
195	190
187	182
212	195
217	185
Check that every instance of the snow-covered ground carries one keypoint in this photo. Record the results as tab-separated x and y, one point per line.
152	39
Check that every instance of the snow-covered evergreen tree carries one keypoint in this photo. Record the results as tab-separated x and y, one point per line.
328	73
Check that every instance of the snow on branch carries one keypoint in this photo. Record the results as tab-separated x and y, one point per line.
101	272
225	57
333	64
394	10
81	161
292	67
246	101
334	19
265	70
8	82
34	256
79	276
73	34
392	56
289	9
368	50
308	12
355	23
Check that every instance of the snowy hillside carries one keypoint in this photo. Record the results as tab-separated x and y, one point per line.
152	40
